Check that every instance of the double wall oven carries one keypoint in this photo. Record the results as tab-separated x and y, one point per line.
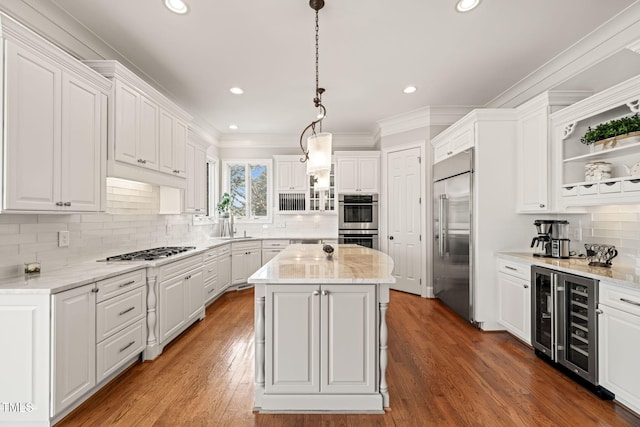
358	219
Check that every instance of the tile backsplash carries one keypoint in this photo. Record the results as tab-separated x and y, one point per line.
618	226
132	222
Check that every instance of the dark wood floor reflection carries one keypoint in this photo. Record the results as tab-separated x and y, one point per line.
442	372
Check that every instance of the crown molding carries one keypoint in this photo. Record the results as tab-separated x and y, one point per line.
422	117
260	140
619	32
634	46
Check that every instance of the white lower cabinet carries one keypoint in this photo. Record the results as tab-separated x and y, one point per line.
320	339
271	248
619	343
514	298
181	296
246	260
73	345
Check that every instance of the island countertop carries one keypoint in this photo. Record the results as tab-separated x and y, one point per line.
351	264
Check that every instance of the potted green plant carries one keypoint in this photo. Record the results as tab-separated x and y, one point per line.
224	205
612	131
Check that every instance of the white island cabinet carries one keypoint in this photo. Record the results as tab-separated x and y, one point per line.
321	334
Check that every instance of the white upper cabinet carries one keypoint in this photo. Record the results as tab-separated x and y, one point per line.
58	165
291	174
195	199
148	139
452	141
533	149
358	171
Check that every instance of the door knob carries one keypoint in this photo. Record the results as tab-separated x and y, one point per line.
390	237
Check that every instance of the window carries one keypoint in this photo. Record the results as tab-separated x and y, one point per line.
249	185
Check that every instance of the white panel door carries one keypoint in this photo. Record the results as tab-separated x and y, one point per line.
126	127
33	100
348	339
292	339
83	137
165	141
148	139
74	345
403	219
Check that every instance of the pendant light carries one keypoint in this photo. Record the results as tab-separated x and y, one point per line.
318	152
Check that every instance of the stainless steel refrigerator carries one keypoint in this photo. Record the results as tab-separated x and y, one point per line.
452	244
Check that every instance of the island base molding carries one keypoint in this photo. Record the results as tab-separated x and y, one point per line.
343	403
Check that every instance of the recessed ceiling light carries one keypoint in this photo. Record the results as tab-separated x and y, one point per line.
466	5
236	90
176	6
233	127
409	89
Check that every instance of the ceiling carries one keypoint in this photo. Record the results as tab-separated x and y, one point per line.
369	51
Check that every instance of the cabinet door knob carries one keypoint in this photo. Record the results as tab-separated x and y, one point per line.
526	286
140	160
316	293
67	203
390	237
325	293
542	205
598	311
58	203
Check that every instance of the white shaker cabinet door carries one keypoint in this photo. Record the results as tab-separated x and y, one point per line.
172	306
148	137
165	141
194	294
292	339
224	272
73	345
83	141
32	96
533	169
180	131
514	306
127	125
348	339
347	175
368	175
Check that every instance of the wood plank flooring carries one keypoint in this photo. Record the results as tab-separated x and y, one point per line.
442	372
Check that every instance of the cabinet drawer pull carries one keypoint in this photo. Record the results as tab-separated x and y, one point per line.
628	301
95	290
127	284
609	184
67	203
127	346
58	203
211	271
188	277
634	181
510	268
126	311
211	290
139	160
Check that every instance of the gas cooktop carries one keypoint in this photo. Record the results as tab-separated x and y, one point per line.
150	254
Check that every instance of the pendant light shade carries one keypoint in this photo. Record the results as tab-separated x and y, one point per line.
323	180
319	146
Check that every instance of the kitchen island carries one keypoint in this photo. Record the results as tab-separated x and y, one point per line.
320	330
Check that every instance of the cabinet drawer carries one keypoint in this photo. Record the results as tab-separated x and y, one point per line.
619	297
275	244
210	270
112	353
516	269
569	191
211	289
609	187
585	189
211	254
224	249
114	286
245	246
114	314
180	267
631	185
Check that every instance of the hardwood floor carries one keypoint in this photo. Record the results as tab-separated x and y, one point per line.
442	372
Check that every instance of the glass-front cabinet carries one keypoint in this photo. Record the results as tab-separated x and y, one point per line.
323	200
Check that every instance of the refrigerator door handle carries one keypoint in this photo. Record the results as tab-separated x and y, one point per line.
441	224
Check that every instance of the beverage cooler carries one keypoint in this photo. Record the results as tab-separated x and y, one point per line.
564	325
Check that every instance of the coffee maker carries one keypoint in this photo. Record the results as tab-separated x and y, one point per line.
551	241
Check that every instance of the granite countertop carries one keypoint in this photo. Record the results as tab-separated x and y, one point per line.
307	264
617	274
69	277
